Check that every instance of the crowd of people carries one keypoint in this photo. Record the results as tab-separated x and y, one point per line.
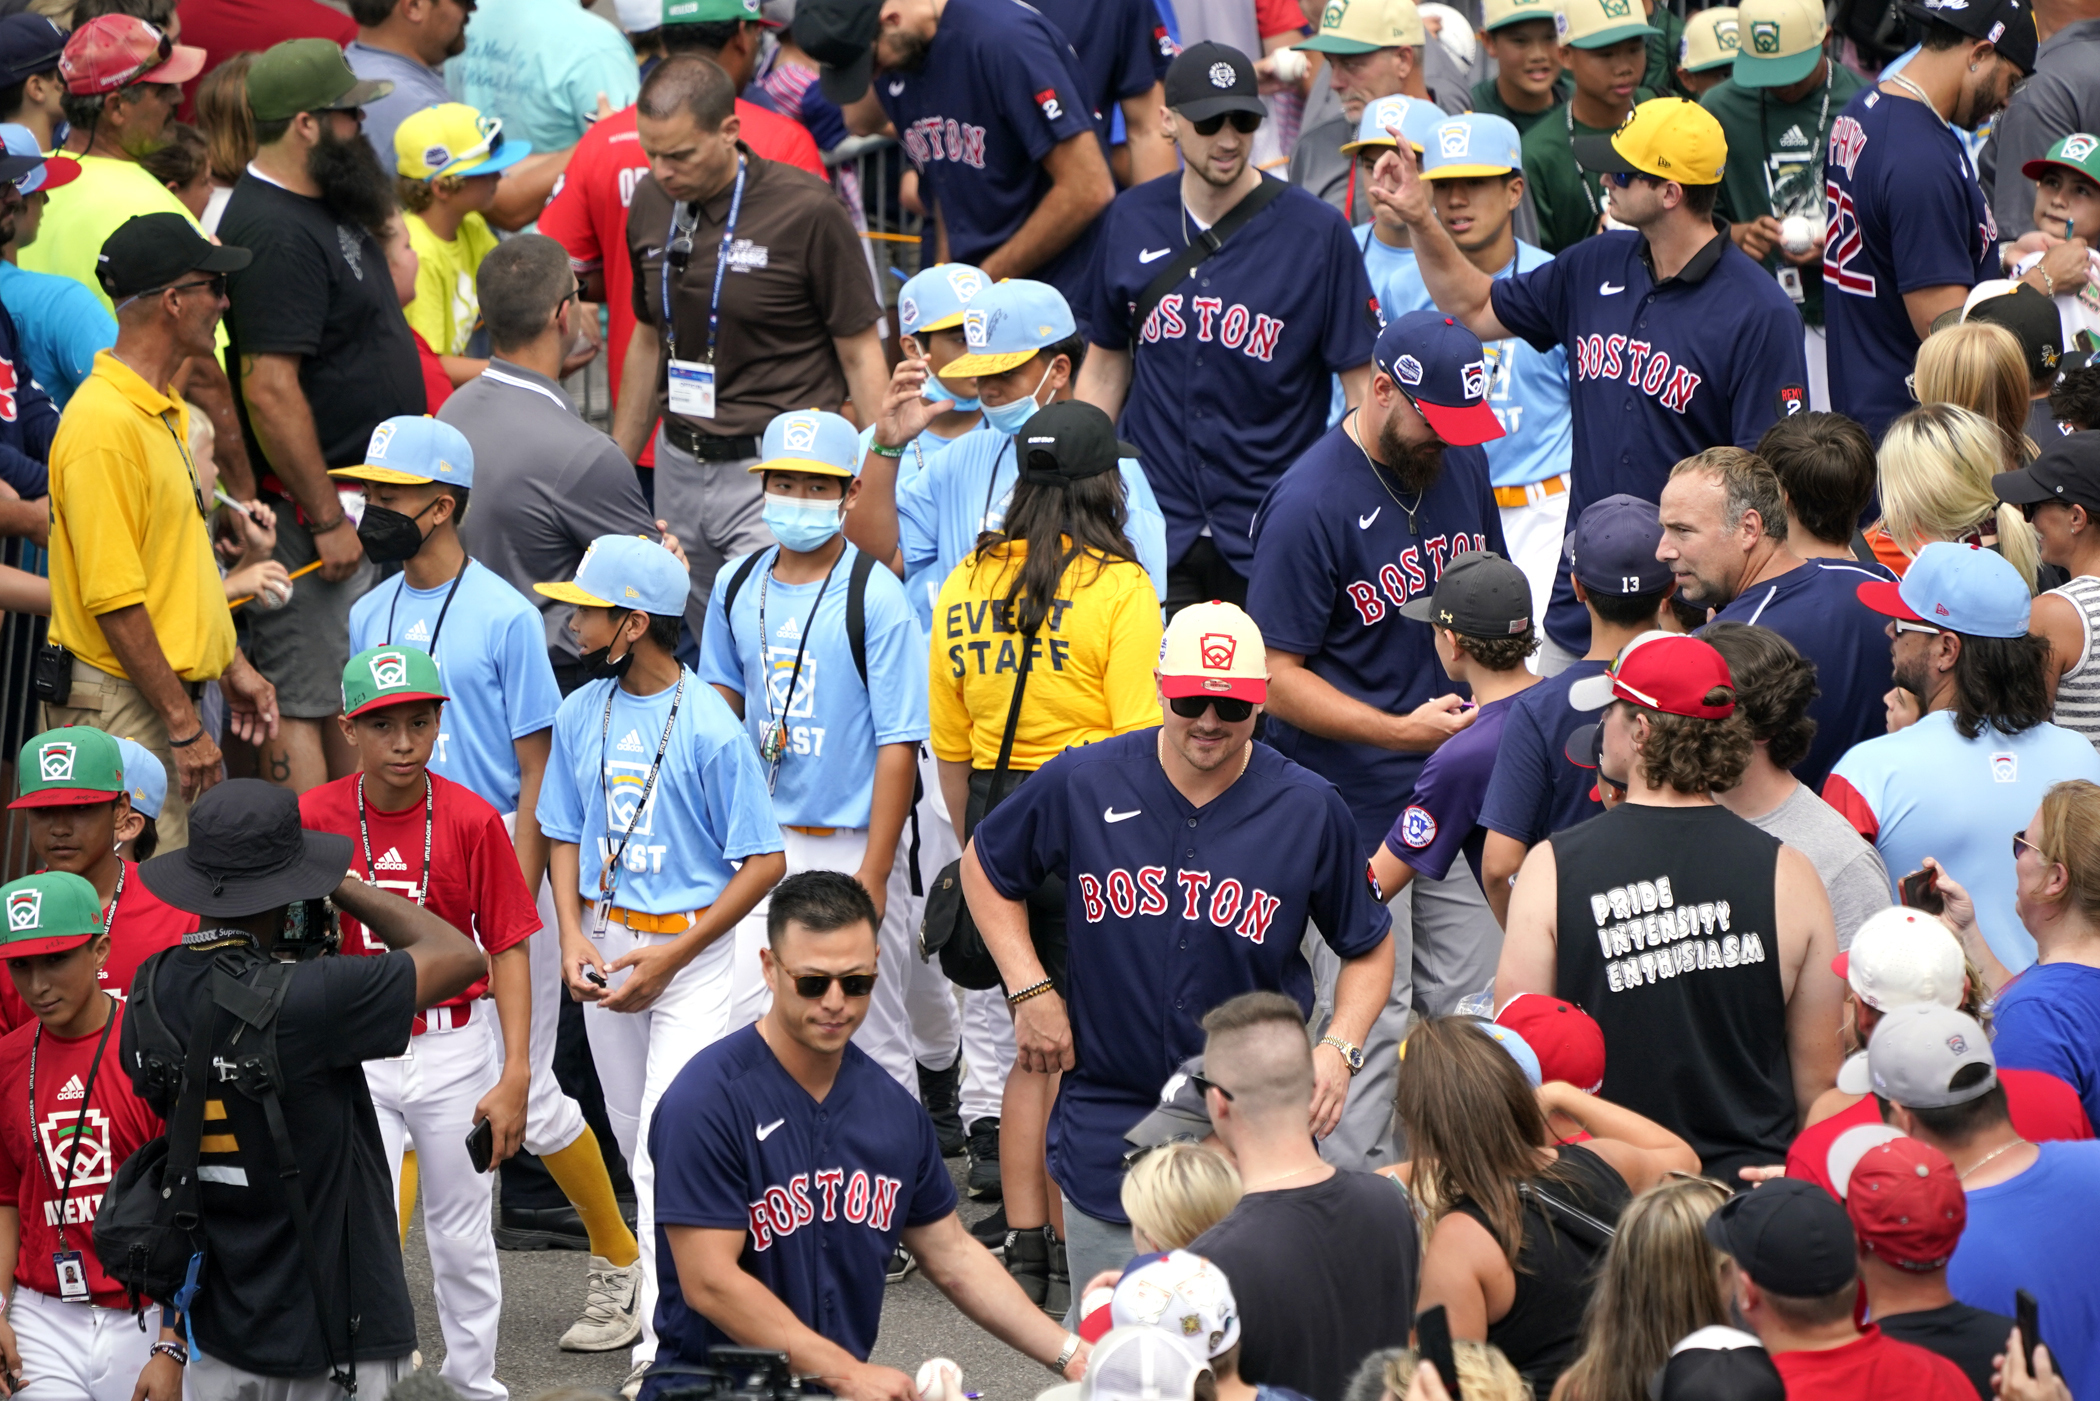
1587	553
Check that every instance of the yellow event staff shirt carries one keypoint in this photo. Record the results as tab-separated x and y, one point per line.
1092	674
447	304
125	527
80	217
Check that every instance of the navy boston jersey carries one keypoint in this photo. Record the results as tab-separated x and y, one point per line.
1231	373
1535	791
1171	909
822	1190
1657	371
1117	46
1336	552
1903	212
1000	87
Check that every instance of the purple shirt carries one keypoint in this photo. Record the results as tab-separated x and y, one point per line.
1442	816
1535	791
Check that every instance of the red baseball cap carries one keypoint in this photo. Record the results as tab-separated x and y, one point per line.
1906	1204
1566	1039
115	51
1664	671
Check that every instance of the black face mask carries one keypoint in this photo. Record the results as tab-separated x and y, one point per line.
390	537
597	666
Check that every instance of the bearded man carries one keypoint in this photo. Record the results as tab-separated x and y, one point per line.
1363	522
322	356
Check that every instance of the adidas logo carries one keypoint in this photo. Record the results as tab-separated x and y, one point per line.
1794	137
630	743
419	633
391	861
790	630
73	1089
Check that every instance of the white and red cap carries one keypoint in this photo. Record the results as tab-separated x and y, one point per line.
1664	671
1213	649
1901	956
1182	1294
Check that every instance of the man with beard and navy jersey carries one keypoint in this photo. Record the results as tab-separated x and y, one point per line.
1676	340
1182	894
1365	521
1223	380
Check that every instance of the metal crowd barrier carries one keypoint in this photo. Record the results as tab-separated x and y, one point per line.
21	715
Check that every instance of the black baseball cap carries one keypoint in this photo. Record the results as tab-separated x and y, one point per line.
1718	1363
840	36
2068	471
1612	548
1068	442
2032	319
150	251
1480	594
1208	80
1789	1236
29	45
2007	25
1180	1114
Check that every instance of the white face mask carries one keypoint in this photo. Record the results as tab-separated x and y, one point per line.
1013	417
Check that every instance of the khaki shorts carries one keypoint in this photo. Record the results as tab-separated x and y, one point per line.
115	706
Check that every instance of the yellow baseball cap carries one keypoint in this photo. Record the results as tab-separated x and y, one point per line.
1213	649
1780	42
1496	13
454	139
1597	24
1709	40
1669	138
1366	26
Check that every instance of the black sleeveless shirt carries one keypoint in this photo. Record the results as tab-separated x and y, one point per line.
1667	937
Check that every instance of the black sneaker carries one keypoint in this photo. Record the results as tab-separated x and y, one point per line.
984	1160
941	1092
1028	1261
548	1228
902	1263
991	1232
1057	1298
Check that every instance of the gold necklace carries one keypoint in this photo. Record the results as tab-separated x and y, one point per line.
2004	1147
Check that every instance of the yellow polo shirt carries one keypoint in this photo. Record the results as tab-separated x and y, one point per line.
125	527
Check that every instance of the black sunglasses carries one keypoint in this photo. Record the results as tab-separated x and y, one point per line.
2020	840
1242	122
811	986
1136	1155
1625	178
216	282
1206	1086
1230	709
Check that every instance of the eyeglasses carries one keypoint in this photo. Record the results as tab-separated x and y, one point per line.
1206	1086
1137	1155
1625	178
811	986
216	282
1231	710
1245	123
2020	840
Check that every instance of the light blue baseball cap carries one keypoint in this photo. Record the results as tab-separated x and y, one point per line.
49	172
1960	588
1471	145
1519	1051
1008	324
625	571
145	777
810	440
1415	117
934	300
412	450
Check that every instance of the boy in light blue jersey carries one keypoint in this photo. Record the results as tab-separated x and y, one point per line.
489	644
661	838
1475	168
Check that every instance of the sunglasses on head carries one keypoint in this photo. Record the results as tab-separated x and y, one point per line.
1242	122
811	986
1230	710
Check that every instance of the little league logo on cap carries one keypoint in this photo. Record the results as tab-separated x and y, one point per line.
1217	649
25	908
809	440
2078	146
69	767
49	912
414	450
389	670
54	760
977	328
1213	649
383	676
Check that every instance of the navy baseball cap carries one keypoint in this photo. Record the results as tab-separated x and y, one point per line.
1442	369
29	45
1961	588
1789	1236
1612	547
2007	25
2067	472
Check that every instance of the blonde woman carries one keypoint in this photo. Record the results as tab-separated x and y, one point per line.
1980	365
1936	464
1175	1193
1661	1280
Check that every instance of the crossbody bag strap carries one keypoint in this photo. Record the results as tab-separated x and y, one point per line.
1013	722
1205	243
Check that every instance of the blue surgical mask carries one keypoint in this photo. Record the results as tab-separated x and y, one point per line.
1012	418
933	391
801	525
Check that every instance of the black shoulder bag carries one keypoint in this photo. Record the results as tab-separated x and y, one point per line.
1205	243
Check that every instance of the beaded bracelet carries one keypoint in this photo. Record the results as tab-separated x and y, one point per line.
1015	999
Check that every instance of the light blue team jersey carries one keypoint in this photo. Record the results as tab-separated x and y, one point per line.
540	66
1529	392
59	324
963	492
492	652
708	809
923	584
826	777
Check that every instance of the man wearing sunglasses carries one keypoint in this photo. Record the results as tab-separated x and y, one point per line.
790	1166
1976	763
1221	384
1192	859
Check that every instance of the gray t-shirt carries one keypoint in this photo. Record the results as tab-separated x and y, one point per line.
1851	868
415	87
546	484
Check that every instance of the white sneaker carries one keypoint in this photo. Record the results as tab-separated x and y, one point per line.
632	1387
612	1315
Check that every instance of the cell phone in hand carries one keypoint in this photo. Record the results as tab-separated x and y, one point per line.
592	975
2027	1314
1921	891
481	1146
1433	1343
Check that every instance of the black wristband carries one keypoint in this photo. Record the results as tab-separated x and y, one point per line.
186	743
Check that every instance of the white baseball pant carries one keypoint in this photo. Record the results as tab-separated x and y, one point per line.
553	1120
638	1054
79	1352
429	1095
1533	533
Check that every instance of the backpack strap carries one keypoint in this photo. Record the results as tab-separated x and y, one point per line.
857	611
734	587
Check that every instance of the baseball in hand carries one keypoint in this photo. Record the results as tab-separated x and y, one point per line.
271	595
1796	234
939	1380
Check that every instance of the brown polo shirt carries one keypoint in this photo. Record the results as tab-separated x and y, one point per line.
797	278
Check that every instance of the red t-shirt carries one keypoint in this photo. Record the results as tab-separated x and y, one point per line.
222	28
143	927
1872	1368
588	214
118	1122
437	385
2042	1108
475	885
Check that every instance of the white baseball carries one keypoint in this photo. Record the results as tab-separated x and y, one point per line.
271	595
933	1373
1795	234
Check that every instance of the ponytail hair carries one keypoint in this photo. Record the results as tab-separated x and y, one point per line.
1057	523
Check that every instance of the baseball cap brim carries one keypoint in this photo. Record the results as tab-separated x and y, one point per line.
185	62
1468	172
66	797
1605	38
361	92
1165	1124
1246	688
58	171
945	323
502	158
381	702
847	83
1841	965
1591	693
567	592
2019	488
1350	148
1581	750
2034	168
1853	1076
1461	426
1752	71
1882	596
1336	44
372	472
989	363
223	257
13	168
49	943
801	464
1597	153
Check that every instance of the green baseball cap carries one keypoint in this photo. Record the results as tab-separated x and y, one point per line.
1778	42
1598	24
714	12
48	913
307	75
382	676
71	767
2080	151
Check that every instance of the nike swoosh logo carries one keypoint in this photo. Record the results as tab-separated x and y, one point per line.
1605	289
1109	814
1152	255
765	1130
896	87
1364	522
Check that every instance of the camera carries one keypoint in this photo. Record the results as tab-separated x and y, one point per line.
744	1373
311	929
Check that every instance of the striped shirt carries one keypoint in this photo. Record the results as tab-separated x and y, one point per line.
2078	691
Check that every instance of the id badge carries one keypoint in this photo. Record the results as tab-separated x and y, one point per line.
598	926
692	389
72	1276
1790	283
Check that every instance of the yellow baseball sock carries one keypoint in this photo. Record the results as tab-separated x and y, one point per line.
410	1179
579	1170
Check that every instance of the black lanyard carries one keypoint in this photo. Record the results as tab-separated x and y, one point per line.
364	835
87	1099
445	608
773	736
992	485
1815	150
1582	177
608	878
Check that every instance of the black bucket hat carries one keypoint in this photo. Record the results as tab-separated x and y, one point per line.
247	853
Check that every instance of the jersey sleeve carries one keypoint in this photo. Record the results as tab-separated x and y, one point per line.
1134	75
2034	1033
531	695
1349	335
1146	525
1856	807
1521	790
1025	840
948	717
1133	651
700	1173
719	664
1108	305
1432	829
739	808
505	913
1350	921
1534	304
896	663
918	519
1770	358
1031	85
559	810
839	286
1291	594
932	1189
1925	218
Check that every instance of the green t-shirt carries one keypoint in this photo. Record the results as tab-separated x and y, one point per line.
1662	53
1488	98
1567	198
1775	160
